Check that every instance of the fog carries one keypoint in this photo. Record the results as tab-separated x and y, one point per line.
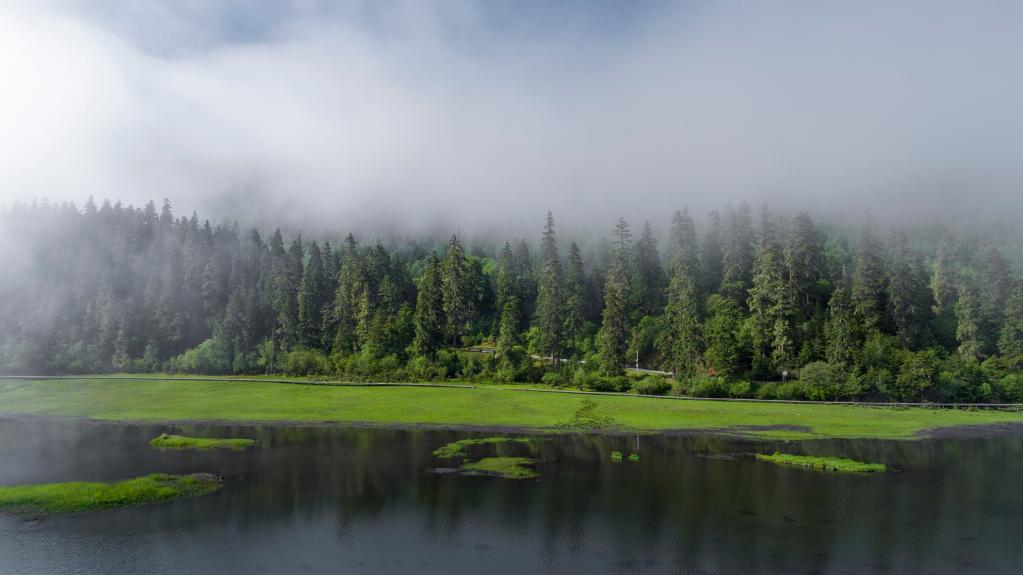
485	115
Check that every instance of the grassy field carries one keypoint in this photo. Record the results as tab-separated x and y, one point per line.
165	441
80	496
823	463
223	400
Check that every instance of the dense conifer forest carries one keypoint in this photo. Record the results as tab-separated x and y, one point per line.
731	303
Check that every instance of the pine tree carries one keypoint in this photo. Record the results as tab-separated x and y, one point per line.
805	261
839	329
508	336
312	297
614	333
1010	341
868	295
455	290
575	295
681	341
712	255
549	315
968	316
944	276
650	281
996	288
344	315
771	302
723	354
737	254
908	294
429	317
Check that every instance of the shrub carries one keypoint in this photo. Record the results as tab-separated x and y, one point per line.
209	357
610	384
708	386
821	381
554	379
767	391
652	385
792	390
740	389
304	361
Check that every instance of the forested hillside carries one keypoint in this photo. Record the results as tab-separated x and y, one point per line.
726	304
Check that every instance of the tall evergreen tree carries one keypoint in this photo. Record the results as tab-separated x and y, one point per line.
1010	340
868	295
456	291
575	295
772	303
712	255
908	294
737	254
312	297
344	316
614	333
681	341
430	323
649	276
549	316
841	346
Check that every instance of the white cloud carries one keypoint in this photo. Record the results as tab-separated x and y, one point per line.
348	119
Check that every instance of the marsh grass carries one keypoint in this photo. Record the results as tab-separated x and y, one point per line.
823	463
74	497
165	441
506	467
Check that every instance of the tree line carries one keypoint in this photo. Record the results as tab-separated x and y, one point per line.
783	307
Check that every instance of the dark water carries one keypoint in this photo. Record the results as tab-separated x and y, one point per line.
323	500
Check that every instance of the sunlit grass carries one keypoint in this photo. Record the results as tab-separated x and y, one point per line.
254	401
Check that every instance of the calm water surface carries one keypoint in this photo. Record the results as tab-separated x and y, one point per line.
333	500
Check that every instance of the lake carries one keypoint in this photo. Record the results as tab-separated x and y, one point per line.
360	500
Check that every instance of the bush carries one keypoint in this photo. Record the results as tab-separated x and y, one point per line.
596	382
793	391
652	385
304	361
707	386
821	381
209	357
767	391
554	379
740	389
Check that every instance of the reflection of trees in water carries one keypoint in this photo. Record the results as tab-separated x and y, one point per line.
687	512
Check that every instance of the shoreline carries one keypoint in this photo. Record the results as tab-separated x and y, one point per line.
744	432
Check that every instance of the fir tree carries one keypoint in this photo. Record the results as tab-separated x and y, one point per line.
455	290
549	315
575	295
614	333
312	297
868	295
430	324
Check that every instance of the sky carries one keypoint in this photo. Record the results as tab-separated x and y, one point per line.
488	114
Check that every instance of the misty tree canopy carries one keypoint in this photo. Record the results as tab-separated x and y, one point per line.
727	304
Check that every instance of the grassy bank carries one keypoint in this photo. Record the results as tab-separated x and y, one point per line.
823	463
222	400
165	441
73	497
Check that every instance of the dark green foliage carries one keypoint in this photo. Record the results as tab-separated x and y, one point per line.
615	329
932	317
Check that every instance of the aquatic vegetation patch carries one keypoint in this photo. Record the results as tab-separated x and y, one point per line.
457	448
81	496
617	457
823	463
506	467
184	442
